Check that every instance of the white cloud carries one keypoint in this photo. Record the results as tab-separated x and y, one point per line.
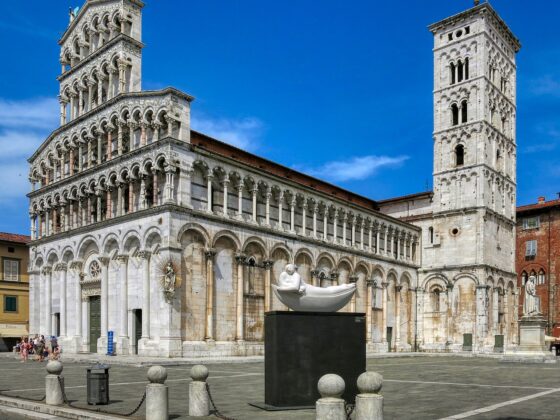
355	168
243	133
23	127
35	114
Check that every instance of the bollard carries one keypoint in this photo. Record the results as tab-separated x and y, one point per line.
54	389
198	394
369	403
157	399
330	406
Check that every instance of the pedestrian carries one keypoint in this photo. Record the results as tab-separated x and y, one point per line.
40	350
24	351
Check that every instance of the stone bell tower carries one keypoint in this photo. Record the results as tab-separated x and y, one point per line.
471	243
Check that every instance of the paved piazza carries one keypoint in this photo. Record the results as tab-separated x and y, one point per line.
423	387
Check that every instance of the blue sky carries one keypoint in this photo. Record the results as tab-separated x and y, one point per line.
341	90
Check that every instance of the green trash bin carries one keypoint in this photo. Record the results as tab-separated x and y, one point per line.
98	385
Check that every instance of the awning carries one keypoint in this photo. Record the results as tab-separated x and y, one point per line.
14	331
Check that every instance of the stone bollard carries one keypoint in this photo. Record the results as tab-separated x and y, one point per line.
53	388
369	403
198	394
330	406
157	399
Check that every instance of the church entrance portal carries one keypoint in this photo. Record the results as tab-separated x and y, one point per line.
94	322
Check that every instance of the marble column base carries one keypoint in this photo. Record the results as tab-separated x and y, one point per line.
123	346
102	345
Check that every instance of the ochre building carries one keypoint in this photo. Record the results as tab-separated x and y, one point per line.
14	289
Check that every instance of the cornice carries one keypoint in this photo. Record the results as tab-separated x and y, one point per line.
476	166
462	126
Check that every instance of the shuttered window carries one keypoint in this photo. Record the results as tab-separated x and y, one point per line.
11	270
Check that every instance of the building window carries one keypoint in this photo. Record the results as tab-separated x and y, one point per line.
541	277
435	299
454	114
459	155
459	71
531	222
431	234
11	249
531	248
464	111
11	270
452	69
10	304
467	68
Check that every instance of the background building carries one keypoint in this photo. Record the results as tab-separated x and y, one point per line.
538	254
14	289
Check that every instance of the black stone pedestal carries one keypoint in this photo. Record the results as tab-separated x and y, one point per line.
300	347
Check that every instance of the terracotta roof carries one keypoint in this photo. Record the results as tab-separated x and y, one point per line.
202	141
538	206
14	237
425	194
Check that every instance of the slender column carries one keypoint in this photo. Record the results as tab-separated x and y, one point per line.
53	225
71	162
47	273
109	214
210	294
397	316
104	295
481	315
143	201
353	232
32	222
91	85
386	241
384	314
110	87
398	246
315	211
100	78
255	191
240	201
267	207
280	209
495	311
143	137
293	214
120	199
145	255
62	269
80	221
76	267
449	314
155	184
325	223
122	77
89	215
369	298
344	222
225	203
370	236
63	112
130	195
239	334
40	229
304	218
109	144
420	317
362	227
80	101
209	193
89	152
98	205
123	274
335	226
120	138
80	157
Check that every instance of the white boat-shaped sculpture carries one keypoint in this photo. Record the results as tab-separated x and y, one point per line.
316	299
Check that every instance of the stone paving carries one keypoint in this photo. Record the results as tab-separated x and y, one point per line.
426	387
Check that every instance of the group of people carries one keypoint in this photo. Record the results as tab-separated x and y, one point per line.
38	346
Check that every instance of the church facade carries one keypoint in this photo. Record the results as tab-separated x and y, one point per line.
171	239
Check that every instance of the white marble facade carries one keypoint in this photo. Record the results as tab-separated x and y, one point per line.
124	186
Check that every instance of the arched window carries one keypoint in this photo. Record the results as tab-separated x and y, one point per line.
467	68
459	155
434	297
452	70
541	278
431	234
498	157
464	111
454	114
523	278
459	71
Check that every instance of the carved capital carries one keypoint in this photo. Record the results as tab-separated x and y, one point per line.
240	259
46	270
353	279
104	260
145	255
209	253
267	264
122	258
60	267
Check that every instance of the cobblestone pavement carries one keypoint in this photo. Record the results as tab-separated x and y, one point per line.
427	387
